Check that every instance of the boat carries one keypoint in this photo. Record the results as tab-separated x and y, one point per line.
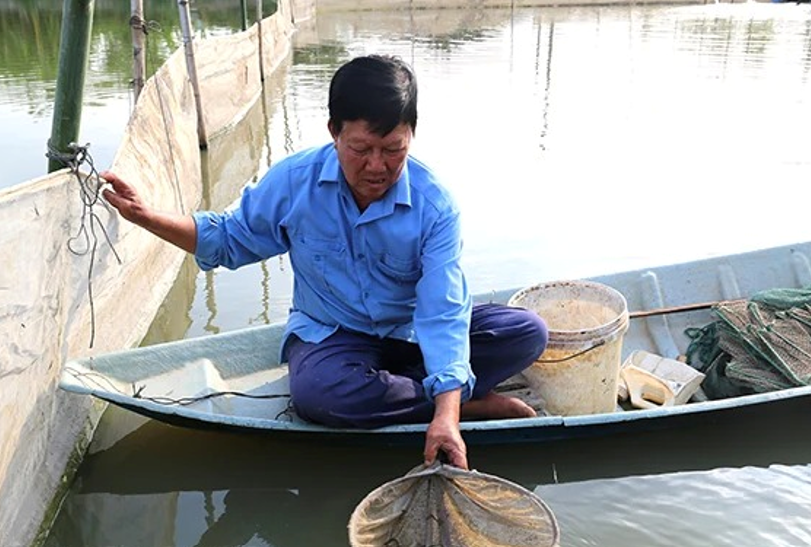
234	381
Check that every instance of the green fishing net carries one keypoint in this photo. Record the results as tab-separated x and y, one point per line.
756	345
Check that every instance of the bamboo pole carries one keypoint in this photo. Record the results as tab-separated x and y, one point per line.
74	49
138	27
191	67
243	5
679	309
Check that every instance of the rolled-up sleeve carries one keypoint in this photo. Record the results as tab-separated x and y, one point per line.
442	315
248	231
210	239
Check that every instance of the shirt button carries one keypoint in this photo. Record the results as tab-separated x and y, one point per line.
366	294
361	256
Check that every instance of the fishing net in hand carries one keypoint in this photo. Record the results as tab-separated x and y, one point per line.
755	346
445	506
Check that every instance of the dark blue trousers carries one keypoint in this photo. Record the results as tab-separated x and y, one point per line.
356	380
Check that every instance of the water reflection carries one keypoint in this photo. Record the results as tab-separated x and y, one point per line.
604	138
150	481
29	54
547	79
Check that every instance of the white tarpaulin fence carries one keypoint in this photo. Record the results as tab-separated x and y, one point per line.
47	314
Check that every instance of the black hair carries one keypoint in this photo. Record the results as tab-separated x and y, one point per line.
378	89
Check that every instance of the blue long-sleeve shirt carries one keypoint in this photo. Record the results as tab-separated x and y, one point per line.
390	271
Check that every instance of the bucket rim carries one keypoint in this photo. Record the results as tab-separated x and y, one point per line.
616	326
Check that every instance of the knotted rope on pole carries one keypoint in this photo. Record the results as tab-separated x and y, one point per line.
140	28
86	238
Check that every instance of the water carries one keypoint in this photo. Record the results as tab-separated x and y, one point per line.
578	141
146	483
29	53
721	507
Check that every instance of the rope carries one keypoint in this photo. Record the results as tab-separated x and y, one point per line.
167	131
96	378
140	24
89	192
184	401
703	348
144	26
103	382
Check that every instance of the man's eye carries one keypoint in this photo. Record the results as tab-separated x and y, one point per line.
359	151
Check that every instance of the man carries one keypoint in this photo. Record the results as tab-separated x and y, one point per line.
382	329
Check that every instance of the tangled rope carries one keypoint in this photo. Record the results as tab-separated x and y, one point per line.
90	185
139	23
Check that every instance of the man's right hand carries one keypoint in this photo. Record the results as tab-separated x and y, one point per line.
125	199
179	230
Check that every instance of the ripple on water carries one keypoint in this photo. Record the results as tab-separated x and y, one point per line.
719	508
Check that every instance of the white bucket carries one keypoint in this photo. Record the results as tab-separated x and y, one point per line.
578	373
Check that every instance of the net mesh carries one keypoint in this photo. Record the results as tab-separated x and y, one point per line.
445	506
756	345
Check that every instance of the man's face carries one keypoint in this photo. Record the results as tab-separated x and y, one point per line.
371	163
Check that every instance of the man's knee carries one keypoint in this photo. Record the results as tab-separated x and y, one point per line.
365	399
311	404
526	334
339	395
327	394
536	333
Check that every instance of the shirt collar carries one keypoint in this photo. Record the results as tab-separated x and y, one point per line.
402	188
400	193
331	170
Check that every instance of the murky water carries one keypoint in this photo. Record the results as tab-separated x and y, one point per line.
146	483
578	141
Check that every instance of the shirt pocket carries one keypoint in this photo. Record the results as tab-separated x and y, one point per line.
401	270
317	260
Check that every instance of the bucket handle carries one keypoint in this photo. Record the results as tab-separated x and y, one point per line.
573	356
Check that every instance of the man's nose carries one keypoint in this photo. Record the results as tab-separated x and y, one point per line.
376	162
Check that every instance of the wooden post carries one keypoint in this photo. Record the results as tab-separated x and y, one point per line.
74	48
138	27
191	67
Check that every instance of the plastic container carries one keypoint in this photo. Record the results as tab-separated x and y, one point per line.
578	373
652	380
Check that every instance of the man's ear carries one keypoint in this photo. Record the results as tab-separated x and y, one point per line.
332	131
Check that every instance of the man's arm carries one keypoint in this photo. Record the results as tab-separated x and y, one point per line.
179	230
442	323
443	433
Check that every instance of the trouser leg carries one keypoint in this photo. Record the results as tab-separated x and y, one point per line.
356	380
